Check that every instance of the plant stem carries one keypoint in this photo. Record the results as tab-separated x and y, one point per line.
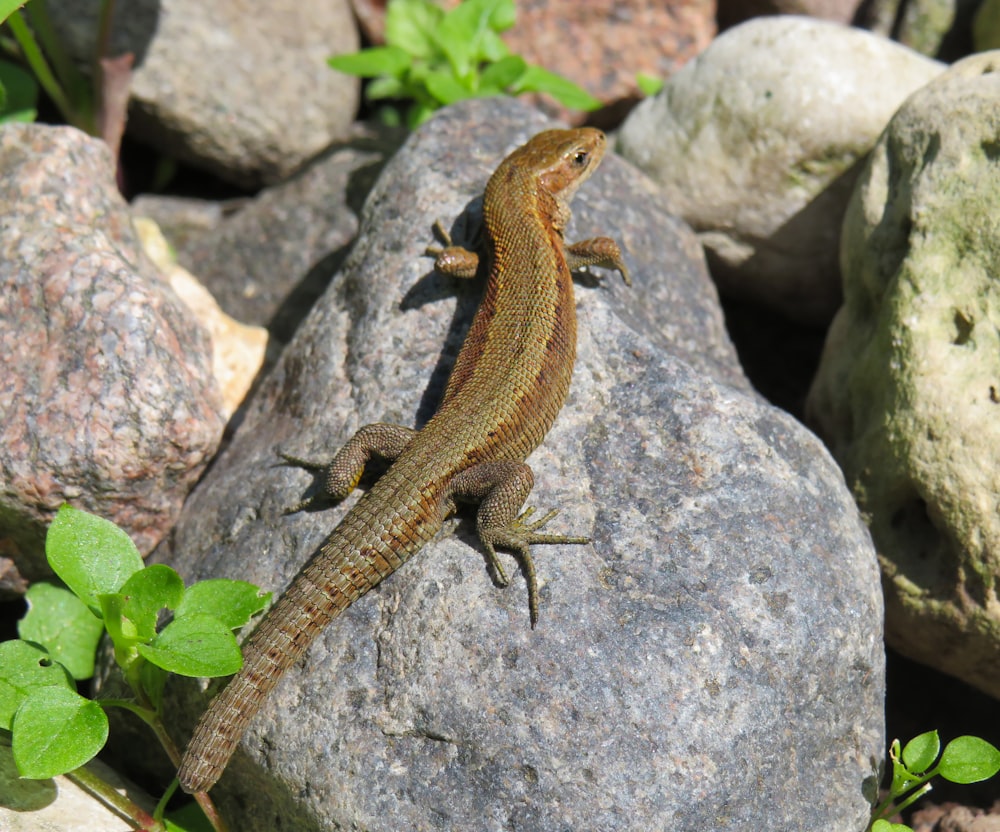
919	793
152	719
103	791
36	60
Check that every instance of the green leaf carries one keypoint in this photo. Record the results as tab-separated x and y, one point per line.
491	47
503	15
64	626
8	7
196	645
121	628
921	752
18	94
24	668
445	88
885	826
234	603
91	555
536	79
410	25
467	36
146	593
385	87
969	760
503	73
648	84
56	730
373	63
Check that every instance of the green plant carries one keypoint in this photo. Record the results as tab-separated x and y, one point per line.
55	730
649	85
96	105
434	58
964	760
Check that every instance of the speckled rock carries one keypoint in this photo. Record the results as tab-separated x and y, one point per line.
603	44
757	142
107	398
243	91
908	393
712	660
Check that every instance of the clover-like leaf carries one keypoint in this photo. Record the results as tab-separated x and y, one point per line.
61	623
920	753
969	760
56	730
195	645
234	603
24	668
91	555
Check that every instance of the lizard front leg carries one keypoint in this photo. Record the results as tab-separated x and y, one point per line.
342	474
597	251
501	489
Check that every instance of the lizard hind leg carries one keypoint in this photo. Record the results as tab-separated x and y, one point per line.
342	475
502	488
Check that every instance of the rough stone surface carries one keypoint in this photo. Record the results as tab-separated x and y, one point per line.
269	261
757	144
243	91
712	660
107	400
908	392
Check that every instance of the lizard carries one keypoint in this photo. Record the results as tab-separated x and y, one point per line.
509	381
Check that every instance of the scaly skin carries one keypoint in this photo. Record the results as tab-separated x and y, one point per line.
509	382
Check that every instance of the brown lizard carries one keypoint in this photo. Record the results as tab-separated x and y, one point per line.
509	381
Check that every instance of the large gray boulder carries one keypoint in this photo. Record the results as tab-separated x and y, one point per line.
712	660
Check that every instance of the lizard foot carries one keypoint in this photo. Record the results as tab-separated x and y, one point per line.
517	537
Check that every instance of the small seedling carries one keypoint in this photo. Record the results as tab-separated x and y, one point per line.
964	760
433	58
55	730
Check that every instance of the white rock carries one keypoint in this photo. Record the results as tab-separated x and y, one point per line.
756	142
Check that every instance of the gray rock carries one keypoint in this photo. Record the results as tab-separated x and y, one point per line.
712	660
269	261
908	392
756	144
243	91
108	399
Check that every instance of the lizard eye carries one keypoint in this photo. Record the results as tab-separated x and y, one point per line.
580	158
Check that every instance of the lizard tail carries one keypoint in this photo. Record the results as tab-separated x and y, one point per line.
279	641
